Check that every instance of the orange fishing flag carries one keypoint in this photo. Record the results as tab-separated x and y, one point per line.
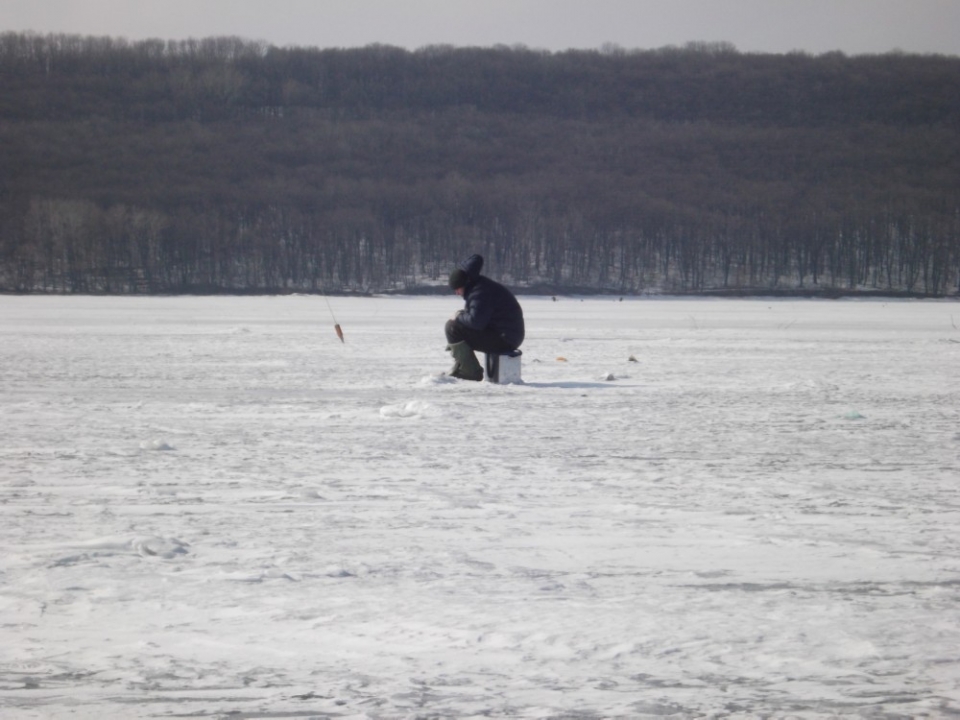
339	332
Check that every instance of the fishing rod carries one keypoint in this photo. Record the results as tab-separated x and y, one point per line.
336	325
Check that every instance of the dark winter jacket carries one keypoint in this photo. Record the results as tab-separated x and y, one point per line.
489	305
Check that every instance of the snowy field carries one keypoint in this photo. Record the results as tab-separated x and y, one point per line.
210	507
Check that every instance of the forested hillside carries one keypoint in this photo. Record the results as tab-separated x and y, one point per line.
223	165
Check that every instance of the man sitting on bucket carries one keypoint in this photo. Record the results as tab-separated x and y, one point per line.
490	322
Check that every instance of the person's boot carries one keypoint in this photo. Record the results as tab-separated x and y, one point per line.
465	363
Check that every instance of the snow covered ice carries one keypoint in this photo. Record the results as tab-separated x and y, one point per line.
211	507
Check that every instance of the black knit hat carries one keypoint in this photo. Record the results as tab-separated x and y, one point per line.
458	279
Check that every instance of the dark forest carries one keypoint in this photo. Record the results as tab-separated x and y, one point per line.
224	165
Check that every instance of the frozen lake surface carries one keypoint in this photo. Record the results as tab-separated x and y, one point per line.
210	507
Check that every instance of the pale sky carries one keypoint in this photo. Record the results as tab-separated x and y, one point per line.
815	26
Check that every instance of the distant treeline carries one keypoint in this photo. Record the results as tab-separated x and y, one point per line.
223	165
